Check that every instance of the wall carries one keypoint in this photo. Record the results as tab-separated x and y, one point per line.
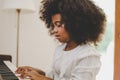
36	47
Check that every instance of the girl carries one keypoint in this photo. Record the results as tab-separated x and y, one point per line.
78	25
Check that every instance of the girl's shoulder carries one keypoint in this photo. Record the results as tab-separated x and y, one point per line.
87	50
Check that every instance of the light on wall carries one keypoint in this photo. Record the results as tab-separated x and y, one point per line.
25	5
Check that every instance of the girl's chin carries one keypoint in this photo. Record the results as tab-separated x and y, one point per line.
62	41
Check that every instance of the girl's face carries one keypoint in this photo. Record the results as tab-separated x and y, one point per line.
59	29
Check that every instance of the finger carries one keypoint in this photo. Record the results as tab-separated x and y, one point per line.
24	75
20	70
29	75
17	69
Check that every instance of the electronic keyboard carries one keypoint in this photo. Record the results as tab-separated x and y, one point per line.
11	69
6	73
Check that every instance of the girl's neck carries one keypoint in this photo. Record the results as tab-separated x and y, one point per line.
70	45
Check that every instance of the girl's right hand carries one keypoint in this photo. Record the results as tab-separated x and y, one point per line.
24	69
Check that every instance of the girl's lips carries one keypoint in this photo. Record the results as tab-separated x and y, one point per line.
57	36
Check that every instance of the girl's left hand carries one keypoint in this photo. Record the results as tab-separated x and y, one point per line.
33	75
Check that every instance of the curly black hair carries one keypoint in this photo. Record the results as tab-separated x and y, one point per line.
84	21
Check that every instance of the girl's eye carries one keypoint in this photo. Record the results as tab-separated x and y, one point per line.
58	23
